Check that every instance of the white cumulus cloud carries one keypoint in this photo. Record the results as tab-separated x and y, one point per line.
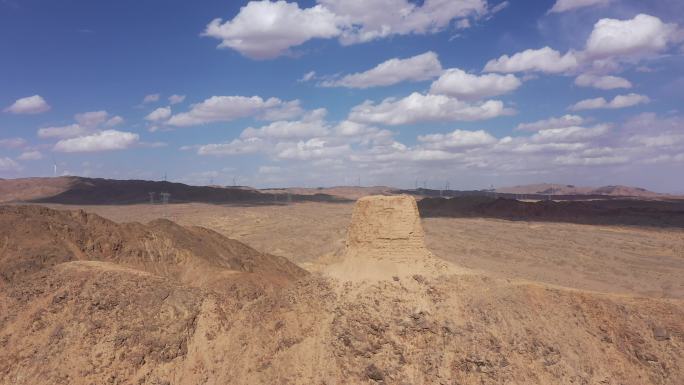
579	160
312	124
175	99
366	20
419	107
570	134
30	155
314	148
285	110
151	98
611	43
417	68
29	106
640	35
605	82
68	131
114	121
101	141
309	76
12	142
544	59
267	29
235	147
91	119
460	84
553	122
620	101
567	5
458	139
227	108
158	115
86	122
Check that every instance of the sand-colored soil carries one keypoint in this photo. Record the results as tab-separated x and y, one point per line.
618	259
120	321
33	238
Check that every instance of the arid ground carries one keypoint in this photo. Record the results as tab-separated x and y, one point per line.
335	292
620	259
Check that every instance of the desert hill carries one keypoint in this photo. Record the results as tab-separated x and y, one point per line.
345	192
659	213
98	191
33	238
561	189
27	189
119	322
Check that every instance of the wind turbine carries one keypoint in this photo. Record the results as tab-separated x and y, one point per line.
54	167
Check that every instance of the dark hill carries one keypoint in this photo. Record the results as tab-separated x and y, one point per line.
606	212
98	191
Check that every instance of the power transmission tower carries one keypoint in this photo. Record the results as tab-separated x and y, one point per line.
445	191
165	197
165	201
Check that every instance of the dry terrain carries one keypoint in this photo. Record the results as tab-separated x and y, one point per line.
621	259
324	291
86	300
565	189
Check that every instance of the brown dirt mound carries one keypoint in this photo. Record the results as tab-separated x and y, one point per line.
95	322
33	238
88	322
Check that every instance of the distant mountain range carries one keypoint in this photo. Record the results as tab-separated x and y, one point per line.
97	191
568	189
79	190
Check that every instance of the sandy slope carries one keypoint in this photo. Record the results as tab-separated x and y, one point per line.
26	189
91	322
85	322
33	238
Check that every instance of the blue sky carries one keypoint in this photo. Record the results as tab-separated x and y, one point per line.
319	93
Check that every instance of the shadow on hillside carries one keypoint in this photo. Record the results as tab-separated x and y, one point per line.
621	212
126	192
